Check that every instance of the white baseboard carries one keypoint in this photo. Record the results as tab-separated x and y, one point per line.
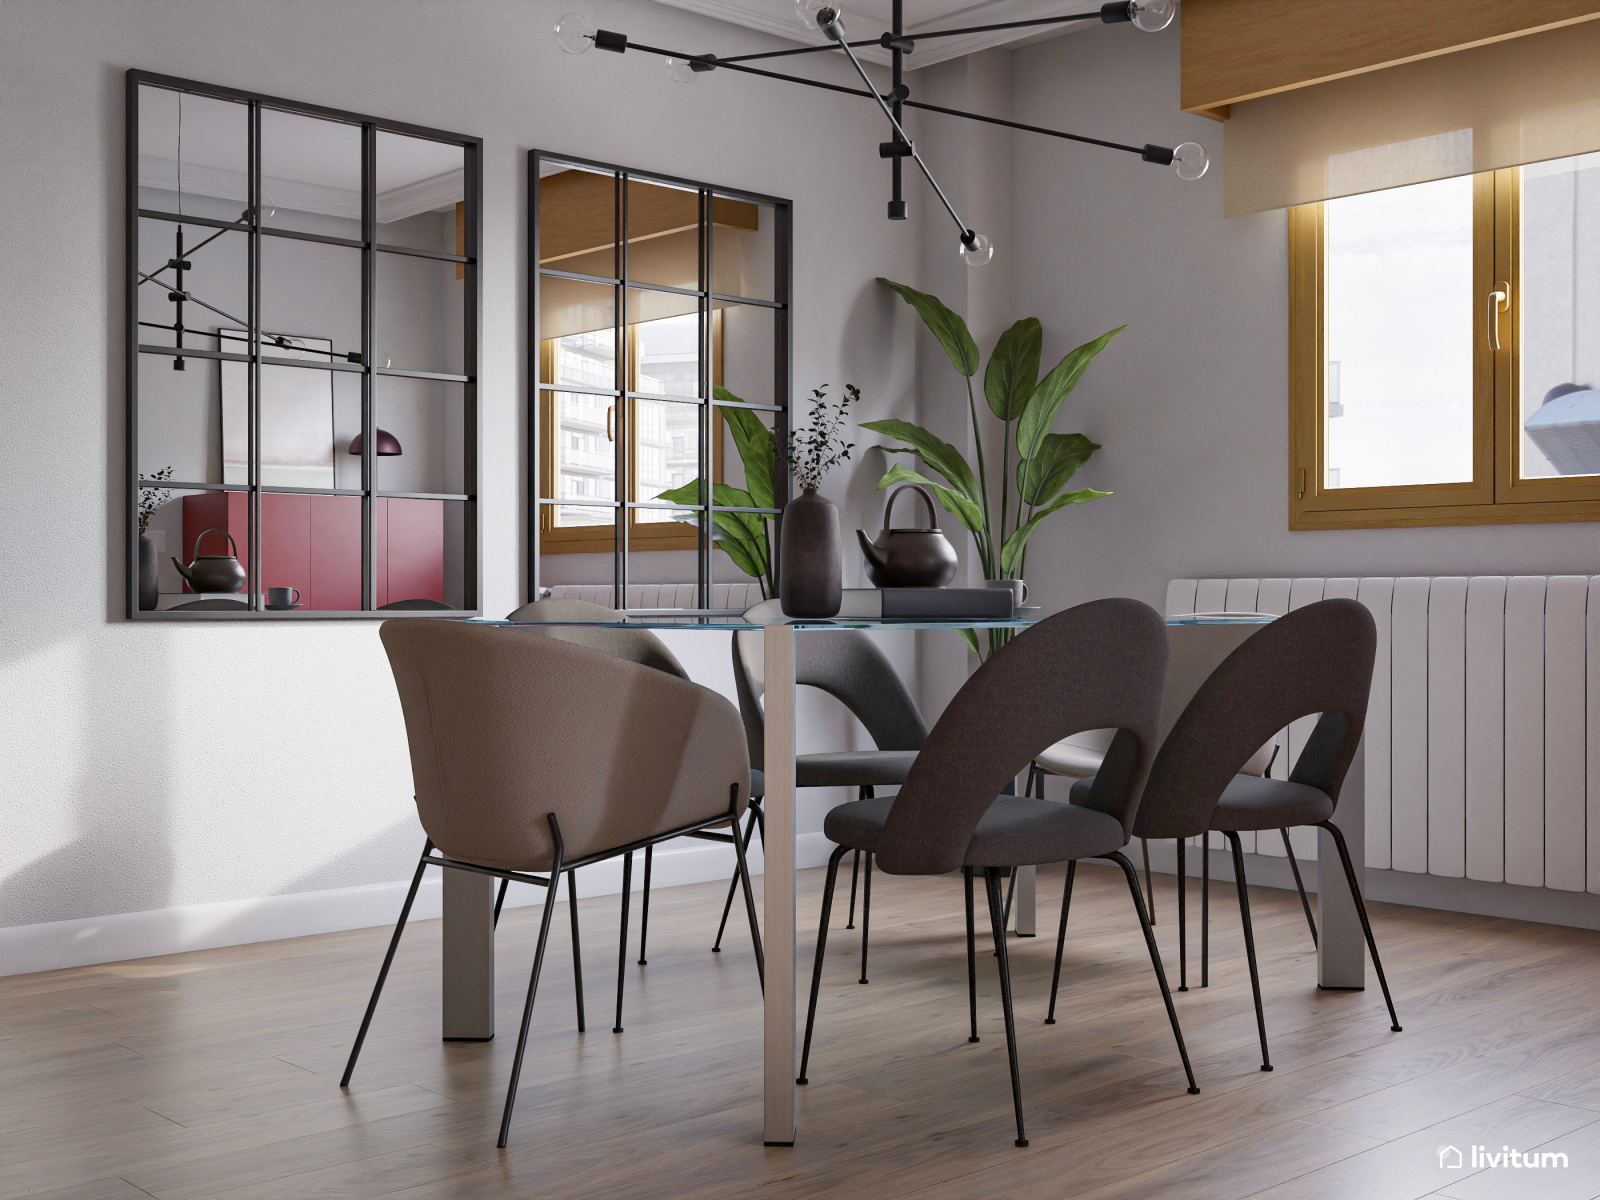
119	936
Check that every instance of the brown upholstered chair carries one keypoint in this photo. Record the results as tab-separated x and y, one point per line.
1097	666
850	667
532	756
1315	661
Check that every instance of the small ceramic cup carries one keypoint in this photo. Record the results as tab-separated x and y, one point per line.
283	597
1017	588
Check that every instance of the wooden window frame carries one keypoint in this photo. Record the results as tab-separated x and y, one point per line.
1496	495
643	536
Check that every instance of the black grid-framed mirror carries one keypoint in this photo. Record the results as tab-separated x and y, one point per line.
659	335
303	306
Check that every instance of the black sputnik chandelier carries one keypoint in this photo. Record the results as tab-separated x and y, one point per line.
1189	160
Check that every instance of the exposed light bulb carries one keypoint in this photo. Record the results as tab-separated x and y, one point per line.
1152	15
574	34
978	251
269	207
680	71
817	14
1190	160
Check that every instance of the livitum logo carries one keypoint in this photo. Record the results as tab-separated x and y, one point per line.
1479	1158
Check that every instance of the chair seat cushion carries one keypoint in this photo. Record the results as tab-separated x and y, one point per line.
1070	758
1016	831
758	784
1254	803
853	768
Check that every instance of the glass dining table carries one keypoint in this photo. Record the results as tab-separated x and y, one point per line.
468	945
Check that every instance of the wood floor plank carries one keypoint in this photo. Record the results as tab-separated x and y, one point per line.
213	1075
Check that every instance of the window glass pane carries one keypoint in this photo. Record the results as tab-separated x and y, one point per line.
179	419
577	323
667	356
666	456
419	552
421	443
583	456
1398	379
585	570
193	154
577	220
171	521
743	342
663	235
311	544
310	174
298	415
193	276
742	248
1560	312
421	187
417	317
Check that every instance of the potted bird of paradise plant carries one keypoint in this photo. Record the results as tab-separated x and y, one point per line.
1004	517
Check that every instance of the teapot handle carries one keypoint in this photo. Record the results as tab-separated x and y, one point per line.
203	533
927	502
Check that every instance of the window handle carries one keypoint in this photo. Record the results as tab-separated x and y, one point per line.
1499	302
612	408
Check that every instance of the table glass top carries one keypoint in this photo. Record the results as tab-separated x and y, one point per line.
735	622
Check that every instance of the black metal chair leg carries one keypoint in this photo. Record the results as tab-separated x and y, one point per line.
644	902
1061	939
991	880
577	954
1155	961
816	969
1011	893
499	902
1300	886
622	952
972	956
1149	879
855	875
749	899
388	960
533	981
1249	942
1205	910
1366	925
733	882
1183	918
866	917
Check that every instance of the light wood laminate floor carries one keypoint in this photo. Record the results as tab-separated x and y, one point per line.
214	1074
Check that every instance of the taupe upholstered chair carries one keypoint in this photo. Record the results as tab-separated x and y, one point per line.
848	665
1097	666
646	649
532	756
1315	661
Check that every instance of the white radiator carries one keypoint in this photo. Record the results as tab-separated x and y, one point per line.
737	596
1485	706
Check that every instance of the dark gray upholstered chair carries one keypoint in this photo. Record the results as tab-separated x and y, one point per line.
645	648
1315	661
848	665
532	757
420	604
1097	666
213	605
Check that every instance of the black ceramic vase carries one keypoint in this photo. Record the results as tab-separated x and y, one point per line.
809	558
148	578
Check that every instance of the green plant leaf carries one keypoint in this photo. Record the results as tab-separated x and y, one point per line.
1011	552
757	451
741	552
1040	412
1057	460
971	639
688	494
945	325
1013	371
940	455
954	503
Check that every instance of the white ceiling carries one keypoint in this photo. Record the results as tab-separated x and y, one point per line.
868	18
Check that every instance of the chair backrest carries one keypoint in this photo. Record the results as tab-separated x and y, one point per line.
506	725
1097	666
419	604
634	645
846	664
1314	660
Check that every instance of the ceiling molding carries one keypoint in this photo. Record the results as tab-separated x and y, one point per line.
438	193
778	19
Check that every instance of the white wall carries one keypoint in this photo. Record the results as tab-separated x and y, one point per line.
152	766
1191	402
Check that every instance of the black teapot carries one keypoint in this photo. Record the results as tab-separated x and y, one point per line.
913	557
214	572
